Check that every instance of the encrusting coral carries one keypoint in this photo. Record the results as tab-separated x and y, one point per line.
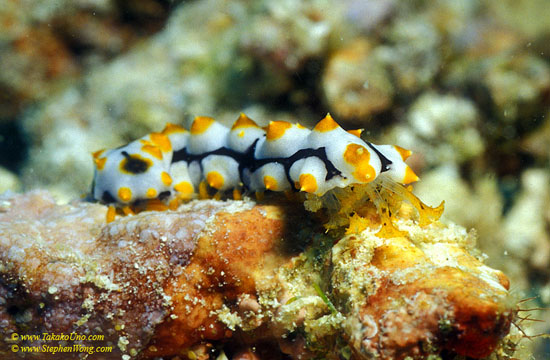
245	280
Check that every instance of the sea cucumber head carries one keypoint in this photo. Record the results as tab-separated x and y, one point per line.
132	172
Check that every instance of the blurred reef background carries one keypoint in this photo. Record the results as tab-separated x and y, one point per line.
464	84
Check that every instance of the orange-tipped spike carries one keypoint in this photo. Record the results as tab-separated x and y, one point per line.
243	122
97	154
162	141
100	163
356	132
276	129
410	176
172	129
403	152
327	124
152	150
201	124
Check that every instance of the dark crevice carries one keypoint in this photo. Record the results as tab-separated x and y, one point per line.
13	146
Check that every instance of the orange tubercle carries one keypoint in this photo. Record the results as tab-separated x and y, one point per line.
184	187
125	194
410	176
270	182
403	152
243	122
201	124
215	179
152	150
276	129
97	154
151	193
100	163
356	132
166	178
173	129
162	141
308	183
327	124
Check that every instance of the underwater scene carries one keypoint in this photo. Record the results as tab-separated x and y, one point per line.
265	180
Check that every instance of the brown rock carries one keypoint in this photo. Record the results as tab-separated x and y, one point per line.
234	276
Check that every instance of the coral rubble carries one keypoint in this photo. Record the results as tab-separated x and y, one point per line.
238	278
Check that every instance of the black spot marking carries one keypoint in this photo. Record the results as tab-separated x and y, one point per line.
108	198
134	165
164	195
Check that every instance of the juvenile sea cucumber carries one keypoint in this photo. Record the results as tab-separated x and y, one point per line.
162	169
